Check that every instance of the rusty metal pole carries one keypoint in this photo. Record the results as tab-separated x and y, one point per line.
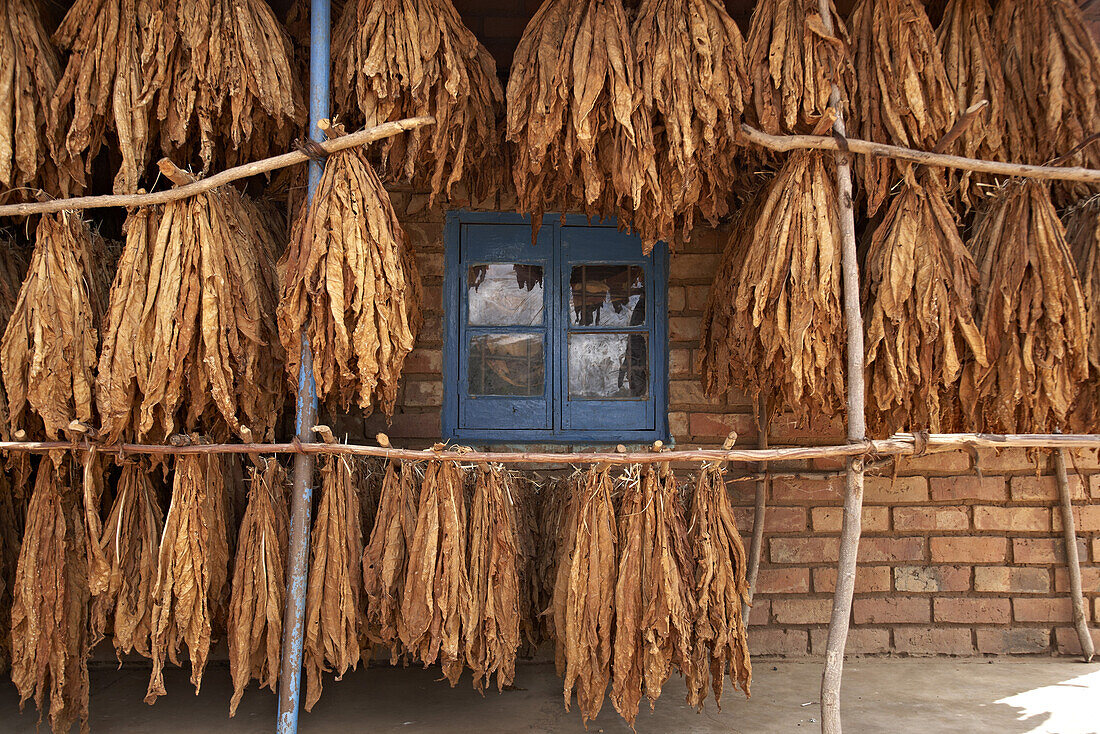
305	415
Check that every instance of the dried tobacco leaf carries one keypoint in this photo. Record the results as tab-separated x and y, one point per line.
49	616
491	620
437	587
559	519
793	62
691	70
1033	316
394	59
333	597
192	568
1083	235
350	284
580	135
13	268
259	583
49	349
920	311
11	533
720	645
904	95
190	341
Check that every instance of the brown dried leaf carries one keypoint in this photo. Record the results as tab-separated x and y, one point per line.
1083	235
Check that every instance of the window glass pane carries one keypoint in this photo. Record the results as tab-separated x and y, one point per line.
607	295
505	294
506	364
603	366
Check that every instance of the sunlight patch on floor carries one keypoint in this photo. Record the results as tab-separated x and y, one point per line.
1069	707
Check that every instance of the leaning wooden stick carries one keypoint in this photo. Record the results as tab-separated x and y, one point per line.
1073	562
201	186
760	509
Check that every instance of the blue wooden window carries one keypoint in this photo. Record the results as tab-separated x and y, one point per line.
560	340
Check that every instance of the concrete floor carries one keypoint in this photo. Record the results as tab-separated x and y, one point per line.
1006	696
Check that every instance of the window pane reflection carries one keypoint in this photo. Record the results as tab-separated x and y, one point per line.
607	295
506	365
603	366
505	294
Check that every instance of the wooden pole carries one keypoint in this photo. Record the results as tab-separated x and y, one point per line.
1073	562
763	416
857	431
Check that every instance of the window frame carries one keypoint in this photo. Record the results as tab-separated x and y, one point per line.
557	330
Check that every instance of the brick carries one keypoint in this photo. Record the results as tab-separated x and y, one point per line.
786	428
1042	610
804	550
796	490
788	643
932	578
861	641
992	461
424	361
698	268
869	579
680	362
1094	486
946	489
1086	519
802	611
930	518
1070	644
1090	580
969	550
423	393
761	612
1012	579
1032	488
406	424
890	611
933	641
684	328
886	491
697	297
678	424
971	610
1096	550
783	581
829	519
690	392
776	519
677	298
1042	550
1013	641
890	550
719	425
1019	519
946	462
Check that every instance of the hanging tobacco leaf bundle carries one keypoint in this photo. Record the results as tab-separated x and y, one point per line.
793	63
222	69
406	58
654	593
13	268
437	587
788	329
691	70
920	306
102	85
1083	235
130	542
491	621
720	646
190	341
584	597
386	555
192	568
580	134
333	597
559	504
350	284
904	94
972	61
49	349
11	533
1033	315
49	615
259	583
531	603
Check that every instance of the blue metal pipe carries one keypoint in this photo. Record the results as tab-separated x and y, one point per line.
305	417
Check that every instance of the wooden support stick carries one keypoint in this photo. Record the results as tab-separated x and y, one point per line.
229	175
1073	562
857	430
763	415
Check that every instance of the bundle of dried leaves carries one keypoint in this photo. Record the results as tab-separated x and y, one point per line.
557	508
720	645
333	609
385	558
406	58
259	583
437	585
1033	316
793	62
11	533
691	70
584	595
580	134
49	350
13	268
1083	234
491	621
904	94
919	301
786	327
350	284
190	341
192	568
973	64
654	593
49	615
